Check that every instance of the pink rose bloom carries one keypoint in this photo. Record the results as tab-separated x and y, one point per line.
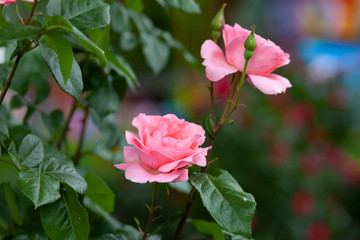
266	58
6	2
165	148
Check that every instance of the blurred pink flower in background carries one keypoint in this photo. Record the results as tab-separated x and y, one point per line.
6	2
312	163
279	152
302	203
299	115
165	148
267	57
318	230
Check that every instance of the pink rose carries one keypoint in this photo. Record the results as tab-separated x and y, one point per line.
165	148
267	57
6	2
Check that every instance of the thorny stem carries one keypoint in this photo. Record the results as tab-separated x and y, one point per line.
193	191
66	128
152	211
239	87
215	131
82	135
32	12
192	195
6	161
230	98
186	212
212	102
19	56
10	77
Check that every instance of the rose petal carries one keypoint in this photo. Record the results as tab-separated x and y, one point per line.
122	166
230	33
131	154
161	158
266	58
183	176
193	159
214	60
137	173
270	83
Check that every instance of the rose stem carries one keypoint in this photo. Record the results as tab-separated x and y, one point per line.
19	56
152	211
82	135
3	160
66	128
215	130
32	12
9	78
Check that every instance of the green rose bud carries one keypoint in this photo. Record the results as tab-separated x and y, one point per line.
217	24
250	44
248	54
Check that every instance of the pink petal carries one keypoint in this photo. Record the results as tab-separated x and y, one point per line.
131	154
197	158
230	33
266	58
183	176
137	173
270	83
200	160
172	117
214	60
122	166
161	158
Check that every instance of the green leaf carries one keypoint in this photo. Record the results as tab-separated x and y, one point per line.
63	50
18	133
122	68
3	128
99	193
104	100
209	228
100	37
128	41
16	102
74	86
112	222
66	218
11	202
136	5
18	31
3	225
12	153
169	223
82	14
175	44
64	172
183	187
120	19
156	52
189	6
54	121
231	207
31	151
208	125
42	186
34	236
109	236
58	22
109	129
39	188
